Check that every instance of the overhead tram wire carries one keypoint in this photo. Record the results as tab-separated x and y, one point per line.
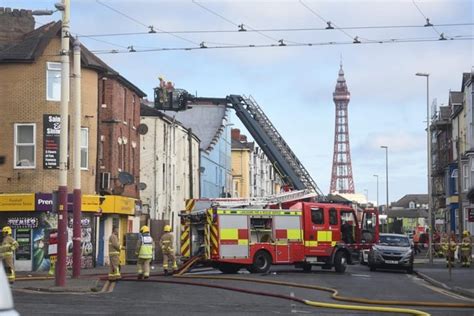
309	29
428	23
241	27
330	24
151	27
384	41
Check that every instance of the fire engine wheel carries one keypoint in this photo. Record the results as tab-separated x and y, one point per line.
229	268
340	262
307	267
262	262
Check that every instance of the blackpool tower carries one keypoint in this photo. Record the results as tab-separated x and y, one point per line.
341	176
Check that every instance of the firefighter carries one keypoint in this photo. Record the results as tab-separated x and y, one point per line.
466	249
450	250
114	256
144	252
166	244
6	252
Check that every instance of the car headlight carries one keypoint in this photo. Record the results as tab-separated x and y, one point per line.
407	254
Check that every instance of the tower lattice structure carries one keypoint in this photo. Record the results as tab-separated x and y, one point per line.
341	177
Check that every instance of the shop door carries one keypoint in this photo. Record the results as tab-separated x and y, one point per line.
100	253
23	255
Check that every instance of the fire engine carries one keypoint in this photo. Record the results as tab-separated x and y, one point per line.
302	230
303	234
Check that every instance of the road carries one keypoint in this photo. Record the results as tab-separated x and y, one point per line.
152	298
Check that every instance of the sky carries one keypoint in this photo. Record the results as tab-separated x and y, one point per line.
294	83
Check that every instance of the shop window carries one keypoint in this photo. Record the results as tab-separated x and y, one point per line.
25	146
317	216
53	81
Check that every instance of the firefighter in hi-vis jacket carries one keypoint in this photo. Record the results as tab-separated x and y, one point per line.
9	245
466	249
114	256
144	252
166	244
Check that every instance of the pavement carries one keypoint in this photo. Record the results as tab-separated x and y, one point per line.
90	280
458	279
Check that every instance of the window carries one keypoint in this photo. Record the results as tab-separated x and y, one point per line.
84	148
53	81
317	216
25	147
333	217
411	204
465	177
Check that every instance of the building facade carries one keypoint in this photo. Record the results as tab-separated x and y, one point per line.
169	161
30	93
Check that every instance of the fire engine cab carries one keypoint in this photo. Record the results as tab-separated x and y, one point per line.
304	234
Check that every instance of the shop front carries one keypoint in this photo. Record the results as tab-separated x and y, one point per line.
34	223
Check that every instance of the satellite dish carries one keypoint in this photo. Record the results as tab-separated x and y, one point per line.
142	186
142	129
125	178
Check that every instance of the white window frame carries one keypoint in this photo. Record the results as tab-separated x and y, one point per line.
15	144
465	177
50	66
86	148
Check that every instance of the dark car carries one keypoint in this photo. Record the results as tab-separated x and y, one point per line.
393	251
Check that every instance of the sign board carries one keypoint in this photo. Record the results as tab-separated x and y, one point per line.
470	215
51	131
22	222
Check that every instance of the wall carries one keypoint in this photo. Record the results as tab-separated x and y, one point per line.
23	100
119	117
165	169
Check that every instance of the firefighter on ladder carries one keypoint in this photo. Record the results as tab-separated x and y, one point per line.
466	249
6	252
144	252
114	256
166	244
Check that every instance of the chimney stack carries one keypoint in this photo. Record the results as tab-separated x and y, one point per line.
14	23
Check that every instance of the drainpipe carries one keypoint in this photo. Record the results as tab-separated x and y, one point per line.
190	160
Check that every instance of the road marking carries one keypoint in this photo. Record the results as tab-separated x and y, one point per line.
439	290
361	275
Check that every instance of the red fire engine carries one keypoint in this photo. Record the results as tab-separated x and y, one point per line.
303	234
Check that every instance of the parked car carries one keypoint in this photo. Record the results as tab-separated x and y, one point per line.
6	300
393	251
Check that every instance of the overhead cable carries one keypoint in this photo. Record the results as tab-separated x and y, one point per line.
282	44
241	27
428	23
151	27
276	29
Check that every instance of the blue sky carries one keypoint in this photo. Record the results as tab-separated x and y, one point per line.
294	85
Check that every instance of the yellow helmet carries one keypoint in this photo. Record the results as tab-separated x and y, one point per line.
167	228
465	233
144	229
7	230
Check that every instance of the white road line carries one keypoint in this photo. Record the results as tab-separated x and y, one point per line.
360	275
439	290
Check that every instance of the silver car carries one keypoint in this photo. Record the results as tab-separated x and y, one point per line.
6	300
393	251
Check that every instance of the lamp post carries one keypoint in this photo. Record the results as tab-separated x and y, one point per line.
428	140
377	176
386	180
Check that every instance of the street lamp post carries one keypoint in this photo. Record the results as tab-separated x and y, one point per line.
428	140
377	176
386	181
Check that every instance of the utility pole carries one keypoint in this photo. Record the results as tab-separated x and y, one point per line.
76	232
459	184
63	139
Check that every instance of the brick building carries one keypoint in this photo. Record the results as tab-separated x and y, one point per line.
30	88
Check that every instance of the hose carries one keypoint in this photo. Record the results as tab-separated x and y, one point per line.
303	301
